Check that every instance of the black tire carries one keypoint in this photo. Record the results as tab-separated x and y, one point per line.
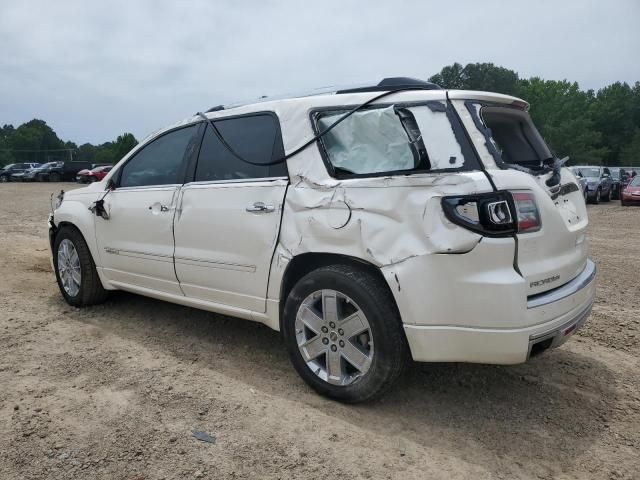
607	197
373	298
91	291
597	197
55	177
4	179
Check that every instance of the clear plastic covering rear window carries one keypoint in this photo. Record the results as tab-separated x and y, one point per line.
395	139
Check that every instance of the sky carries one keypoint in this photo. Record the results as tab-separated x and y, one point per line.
93	70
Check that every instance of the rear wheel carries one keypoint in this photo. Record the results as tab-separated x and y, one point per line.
75	270
344	334
55	177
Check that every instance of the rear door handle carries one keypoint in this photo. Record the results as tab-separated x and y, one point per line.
260	207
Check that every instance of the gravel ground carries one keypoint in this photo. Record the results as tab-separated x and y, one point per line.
114	391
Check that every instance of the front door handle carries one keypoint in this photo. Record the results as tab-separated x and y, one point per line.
158	207
260	207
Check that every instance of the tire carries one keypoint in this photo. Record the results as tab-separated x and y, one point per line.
55	177
607	197
88	289
3	179
383	346
597	197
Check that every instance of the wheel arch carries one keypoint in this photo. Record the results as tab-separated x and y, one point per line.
305	263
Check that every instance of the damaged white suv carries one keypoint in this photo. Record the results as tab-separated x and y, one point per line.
368	225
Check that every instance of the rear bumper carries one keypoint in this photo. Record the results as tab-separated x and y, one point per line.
553	316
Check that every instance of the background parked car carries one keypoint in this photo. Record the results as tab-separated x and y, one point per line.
62	171
94	175
31	175
581	180
599	183
19	176
631	193
9	170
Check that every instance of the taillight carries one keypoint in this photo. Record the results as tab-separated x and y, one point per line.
527	212
496	214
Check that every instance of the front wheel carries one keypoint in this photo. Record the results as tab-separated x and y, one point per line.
3	179
598	196
344	334
607	197
75	270
55	177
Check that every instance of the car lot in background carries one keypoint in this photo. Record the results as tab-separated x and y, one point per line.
62	171
631	193
94	175
599	182
15	168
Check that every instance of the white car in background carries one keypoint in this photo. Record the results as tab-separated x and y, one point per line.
368	225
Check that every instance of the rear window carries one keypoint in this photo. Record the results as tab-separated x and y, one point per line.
511	136
389	139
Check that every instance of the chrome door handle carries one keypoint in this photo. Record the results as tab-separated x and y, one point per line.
260	207
158	207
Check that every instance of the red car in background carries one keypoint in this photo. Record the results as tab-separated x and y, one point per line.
631	193
94	175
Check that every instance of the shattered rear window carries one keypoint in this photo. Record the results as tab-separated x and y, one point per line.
394	139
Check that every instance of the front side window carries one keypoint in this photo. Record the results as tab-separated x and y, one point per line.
393	139
255	138
160	162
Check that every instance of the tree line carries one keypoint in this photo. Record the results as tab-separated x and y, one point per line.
591	127
37	142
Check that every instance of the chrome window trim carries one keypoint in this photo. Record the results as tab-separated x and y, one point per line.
585	278
235	180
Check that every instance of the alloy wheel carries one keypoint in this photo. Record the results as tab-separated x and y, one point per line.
69	267
334	337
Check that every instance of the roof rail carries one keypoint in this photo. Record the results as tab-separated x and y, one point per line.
388	83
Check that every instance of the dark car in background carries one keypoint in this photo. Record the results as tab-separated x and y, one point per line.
62	171
599	182
31	175
8	171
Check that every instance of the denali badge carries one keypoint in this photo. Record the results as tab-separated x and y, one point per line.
115	251
544	281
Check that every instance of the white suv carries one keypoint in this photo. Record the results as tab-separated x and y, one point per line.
366	224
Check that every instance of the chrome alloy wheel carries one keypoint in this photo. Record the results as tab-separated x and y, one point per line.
69	267
334	337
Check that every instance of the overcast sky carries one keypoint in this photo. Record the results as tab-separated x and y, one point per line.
93	70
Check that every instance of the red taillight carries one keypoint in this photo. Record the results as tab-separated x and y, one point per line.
527	212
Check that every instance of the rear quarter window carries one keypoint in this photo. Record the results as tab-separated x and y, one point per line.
394	139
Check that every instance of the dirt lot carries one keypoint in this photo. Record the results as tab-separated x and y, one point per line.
114	391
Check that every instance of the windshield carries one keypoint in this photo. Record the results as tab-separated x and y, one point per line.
589	172
7	167
392	138
615	173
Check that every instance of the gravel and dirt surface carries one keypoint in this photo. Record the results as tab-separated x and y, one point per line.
114	391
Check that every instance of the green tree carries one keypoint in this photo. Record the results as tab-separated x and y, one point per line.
478	76
561	112
613	111
630	153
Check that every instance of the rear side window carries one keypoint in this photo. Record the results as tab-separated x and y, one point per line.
256	138
395	139
160	162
